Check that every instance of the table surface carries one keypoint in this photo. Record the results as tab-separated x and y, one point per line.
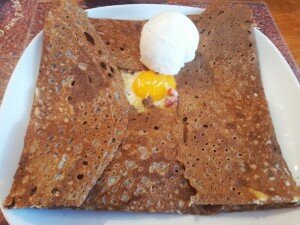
285	13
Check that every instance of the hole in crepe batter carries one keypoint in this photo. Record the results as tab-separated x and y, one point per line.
97	109
51	138
108	43
53	67
99	52
69	98
63	70
80	176
33	191
112	69
103	65
90	79
84	123
122	49
55	192
89	38
177	169
12	204
152	188
109	75
73	83
85	163
156	128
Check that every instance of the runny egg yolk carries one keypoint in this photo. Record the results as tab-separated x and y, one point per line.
148	83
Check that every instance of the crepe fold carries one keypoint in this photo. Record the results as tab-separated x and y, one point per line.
78	118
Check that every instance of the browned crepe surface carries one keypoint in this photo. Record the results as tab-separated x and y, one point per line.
78	118
212	152
122	38
144	175
229	148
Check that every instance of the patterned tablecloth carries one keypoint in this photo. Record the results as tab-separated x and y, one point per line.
21	20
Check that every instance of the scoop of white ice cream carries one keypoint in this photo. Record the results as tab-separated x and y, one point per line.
168	41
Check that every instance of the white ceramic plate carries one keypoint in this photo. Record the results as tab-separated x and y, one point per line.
281	87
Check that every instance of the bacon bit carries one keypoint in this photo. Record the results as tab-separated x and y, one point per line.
171	98
172	92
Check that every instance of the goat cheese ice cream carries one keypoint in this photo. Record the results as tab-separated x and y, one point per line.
168	41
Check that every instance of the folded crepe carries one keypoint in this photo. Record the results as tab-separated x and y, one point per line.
78	118
144	175
122	38
216	151
226	148
229	148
